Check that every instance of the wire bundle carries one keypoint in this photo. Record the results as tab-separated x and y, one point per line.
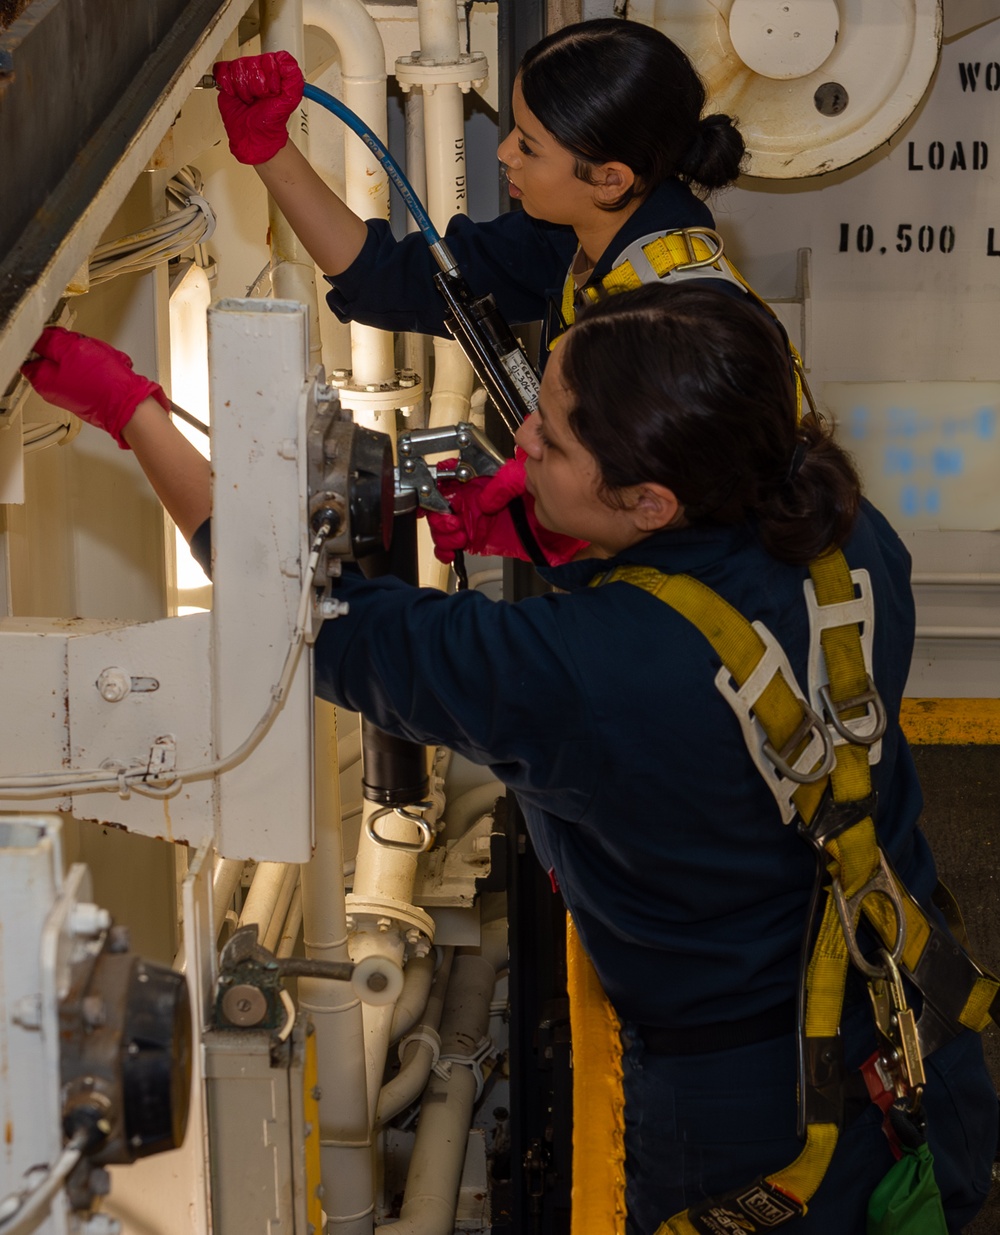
190	222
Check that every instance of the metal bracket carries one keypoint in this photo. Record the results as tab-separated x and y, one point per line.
477	456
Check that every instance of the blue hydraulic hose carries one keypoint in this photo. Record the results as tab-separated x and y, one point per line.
410	199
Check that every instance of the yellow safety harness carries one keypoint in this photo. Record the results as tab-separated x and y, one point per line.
683	253
816	755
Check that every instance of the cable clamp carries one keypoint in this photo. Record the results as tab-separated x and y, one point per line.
429	1037
484	1050
195	199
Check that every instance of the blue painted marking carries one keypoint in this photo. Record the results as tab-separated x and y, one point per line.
858	422
898	461
948	462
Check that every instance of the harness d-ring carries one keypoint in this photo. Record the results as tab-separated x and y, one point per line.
848	908
408	813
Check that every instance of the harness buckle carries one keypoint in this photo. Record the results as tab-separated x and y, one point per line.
865	730
849	907
780	770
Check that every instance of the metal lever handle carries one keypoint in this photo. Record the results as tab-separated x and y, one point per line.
404	812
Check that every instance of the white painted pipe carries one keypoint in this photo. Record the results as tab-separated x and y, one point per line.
293	275
432	1183
469	807
345	1141
226	877
362	57
262	896
418	1055
437	22
417	980
293	924
276	926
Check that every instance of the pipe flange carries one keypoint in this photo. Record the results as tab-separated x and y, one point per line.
466	72
388	914
405	391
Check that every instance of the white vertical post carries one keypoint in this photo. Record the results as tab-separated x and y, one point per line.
258	359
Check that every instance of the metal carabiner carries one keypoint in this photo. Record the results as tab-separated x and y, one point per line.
408	813
882	881
900	1065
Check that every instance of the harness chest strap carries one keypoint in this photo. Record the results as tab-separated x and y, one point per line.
858	870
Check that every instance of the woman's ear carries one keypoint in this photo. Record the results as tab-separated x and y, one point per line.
654	506
611	180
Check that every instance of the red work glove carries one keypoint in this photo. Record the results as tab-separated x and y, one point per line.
91	379
482	522
257	94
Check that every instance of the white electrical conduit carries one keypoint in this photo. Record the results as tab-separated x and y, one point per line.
345	1138
293	275
418	1052
435	1172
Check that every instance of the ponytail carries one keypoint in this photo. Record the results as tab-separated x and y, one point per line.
715	157
815	507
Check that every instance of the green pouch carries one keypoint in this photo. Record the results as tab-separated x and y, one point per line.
907	1201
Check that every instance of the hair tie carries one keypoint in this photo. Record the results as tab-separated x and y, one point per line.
798	456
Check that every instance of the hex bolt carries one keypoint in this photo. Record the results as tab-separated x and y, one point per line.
377	982
383	924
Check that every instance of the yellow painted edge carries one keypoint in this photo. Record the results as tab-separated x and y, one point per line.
951	722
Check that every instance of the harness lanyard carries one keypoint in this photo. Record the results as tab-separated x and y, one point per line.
682	253
819	771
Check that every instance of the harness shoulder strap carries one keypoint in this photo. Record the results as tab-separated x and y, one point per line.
677	254
827	782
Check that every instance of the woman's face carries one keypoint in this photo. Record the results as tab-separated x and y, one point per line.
564	477
541	173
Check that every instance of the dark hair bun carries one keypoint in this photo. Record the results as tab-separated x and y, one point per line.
715	157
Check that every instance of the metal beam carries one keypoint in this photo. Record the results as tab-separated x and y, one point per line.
86	94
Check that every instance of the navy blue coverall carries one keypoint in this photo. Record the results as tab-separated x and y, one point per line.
521	260
598	708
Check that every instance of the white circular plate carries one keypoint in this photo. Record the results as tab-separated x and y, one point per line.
814	84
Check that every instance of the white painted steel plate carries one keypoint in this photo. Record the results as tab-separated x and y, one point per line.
814	84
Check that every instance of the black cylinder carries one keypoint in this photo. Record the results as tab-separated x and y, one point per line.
395	770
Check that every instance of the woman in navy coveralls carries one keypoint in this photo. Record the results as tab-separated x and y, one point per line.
597	707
